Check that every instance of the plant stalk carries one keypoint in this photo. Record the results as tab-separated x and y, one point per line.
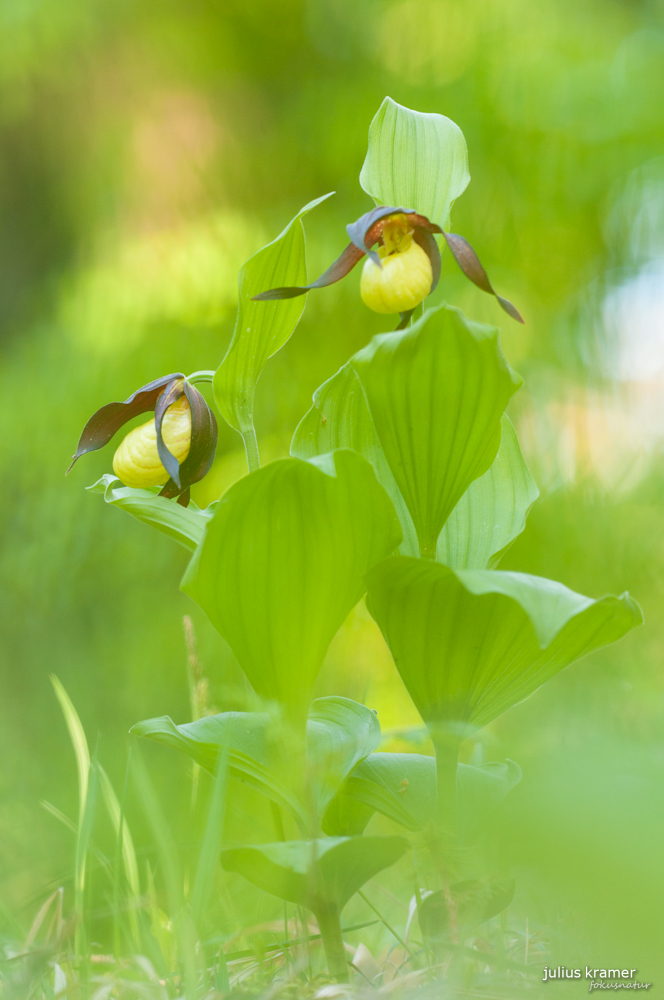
428	550
446	748
330	931
251	449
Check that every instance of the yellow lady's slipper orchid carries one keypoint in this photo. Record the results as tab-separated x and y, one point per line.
406	267
174	449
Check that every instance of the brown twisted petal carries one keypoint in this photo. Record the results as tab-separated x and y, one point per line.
364	232
342	266
424	239
470	264
170	395
103	424
201	451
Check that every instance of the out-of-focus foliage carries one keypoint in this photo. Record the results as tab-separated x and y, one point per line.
146	151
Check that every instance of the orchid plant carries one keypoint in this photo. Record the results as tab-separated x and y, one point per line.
405	482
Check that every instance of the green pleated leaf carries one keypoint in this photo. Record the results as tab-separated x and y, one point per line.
246	734
492	511
340	418
402	786
315	873
480	790
417	160
261	328
487	518
185	524
346	816
340	733
283	562
469	644
436	392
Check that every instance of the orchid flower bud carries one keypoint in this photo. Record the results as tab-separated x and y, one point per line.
136	461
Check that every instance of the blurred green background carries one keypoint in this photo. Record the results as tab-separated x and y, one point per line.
146	150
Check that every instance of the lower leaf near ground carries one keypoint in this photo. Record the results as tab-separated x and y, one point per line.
315	873
465	905
340	733
402	786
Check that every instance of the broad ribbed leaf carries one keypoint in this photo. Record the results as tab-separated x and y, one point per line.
346	816
415	159
251	752
340	418
185	524
492	511
436	392
402	786
469	644
340	733
315	873
283	562
261	328
487	518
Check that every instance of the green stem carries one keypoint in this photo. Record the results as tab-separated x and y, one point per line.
305	938
202	376
333	942
446	748
428	547
251	448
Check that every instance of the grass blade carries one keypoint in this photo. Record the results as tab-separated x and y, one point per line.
172	875
125	845
209	856
79	742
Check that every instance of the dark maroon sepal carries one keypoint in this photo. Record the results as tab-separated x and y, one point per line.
342	266
470	264
201	451
365	231
369	227
103	424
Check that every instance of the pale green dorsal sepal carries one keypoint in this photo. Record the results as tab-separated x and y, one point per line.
415	160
